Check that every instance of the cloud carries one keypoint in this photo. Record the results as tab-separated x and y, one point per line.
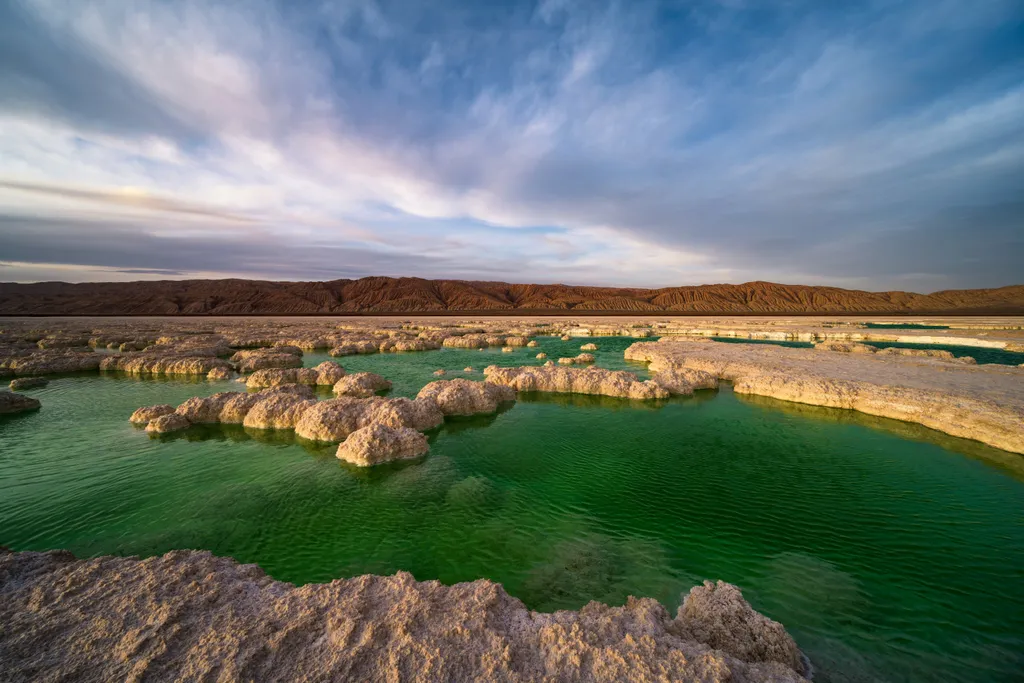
641	143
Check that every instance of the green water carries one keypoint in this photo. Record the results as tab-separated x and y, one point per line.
980	354
891	552
776	342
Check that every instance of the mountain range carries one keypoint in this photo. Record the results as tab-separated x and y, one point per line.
386	295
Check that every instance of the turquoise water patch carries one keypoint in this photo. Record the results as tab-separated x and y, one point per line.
978	353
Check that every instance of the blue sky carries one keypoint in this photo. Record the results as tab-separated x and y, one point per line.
877	145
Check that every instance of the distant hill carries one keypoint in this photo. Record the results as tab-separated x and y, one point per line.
416	295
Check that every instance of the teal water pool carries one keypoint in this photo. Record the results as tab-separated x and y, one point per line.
890	552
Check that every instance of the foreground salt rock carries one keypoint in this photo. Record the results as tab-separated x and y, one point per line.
980	402
377	443
11	403
361	384
466	397
326	374
595	381
113	618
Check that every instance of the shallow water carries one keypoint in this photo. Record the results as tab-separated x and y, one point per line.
980	354
776	342
891	552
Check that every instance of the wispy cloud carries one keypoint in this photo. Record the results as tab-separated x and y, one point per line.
644	143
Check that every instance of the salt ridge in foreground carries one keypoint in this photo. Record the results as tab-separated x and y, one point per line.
191	616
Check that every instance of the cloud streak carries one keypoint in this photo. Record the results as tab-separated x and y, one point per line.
642	143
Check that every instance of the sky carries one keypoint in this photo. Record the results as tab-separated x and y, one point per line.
874	145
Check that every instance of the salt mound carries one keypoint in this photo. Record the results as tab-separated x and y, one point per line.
147	413
465	397
162	364
168	423
334	419
249	361
376	443
277	411
595	381
361	384
327	373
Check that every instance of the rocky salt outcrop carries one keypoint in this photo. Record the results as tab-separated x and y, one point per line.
684	381
277	410
579	359
594	381
168	423
354	347
11	403
717	615
28	383
980	402
218	374
588	347
844	347
326	374
113	618
146	414
264	359
466	397
542	355
333	420
927	353
361	384
377	443
162	364
50	362
393	345
273	408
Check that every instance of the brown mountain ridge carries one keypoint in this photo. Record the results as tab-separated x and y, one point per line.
386	295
